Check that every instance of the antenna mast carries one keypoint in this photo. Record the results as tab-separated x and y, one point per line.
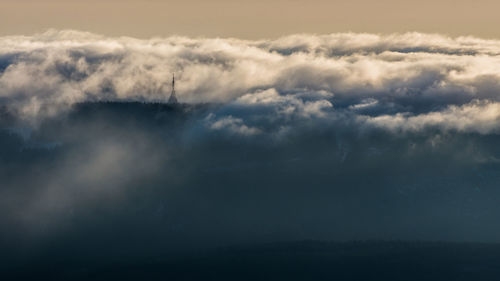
173	98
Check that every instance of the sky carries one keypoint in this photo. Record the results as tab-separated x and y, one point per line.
250	19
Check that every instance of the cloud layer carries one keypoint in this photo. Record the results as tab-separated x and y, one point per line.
402	82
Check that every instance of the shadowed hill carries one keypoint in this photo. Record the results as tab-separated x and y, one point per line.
131	190
307	260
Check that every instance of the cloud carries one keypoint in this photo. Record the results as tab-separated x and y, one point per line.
233	125
287	104
381	76
478	117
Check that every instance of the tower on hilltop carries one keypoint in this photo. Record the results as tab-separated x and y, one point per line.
173	98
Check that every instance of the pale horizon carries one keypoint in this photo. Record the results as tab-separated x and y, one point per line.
250	19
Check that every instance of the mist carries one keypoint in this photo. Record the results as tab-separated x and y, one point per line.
335	137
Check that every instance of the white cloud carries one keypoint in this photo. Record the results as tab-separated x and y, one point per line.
231	124
478	116
366	103
407	79
287	104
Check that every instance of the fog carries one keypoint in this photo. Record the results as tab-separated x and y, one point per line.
337	137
